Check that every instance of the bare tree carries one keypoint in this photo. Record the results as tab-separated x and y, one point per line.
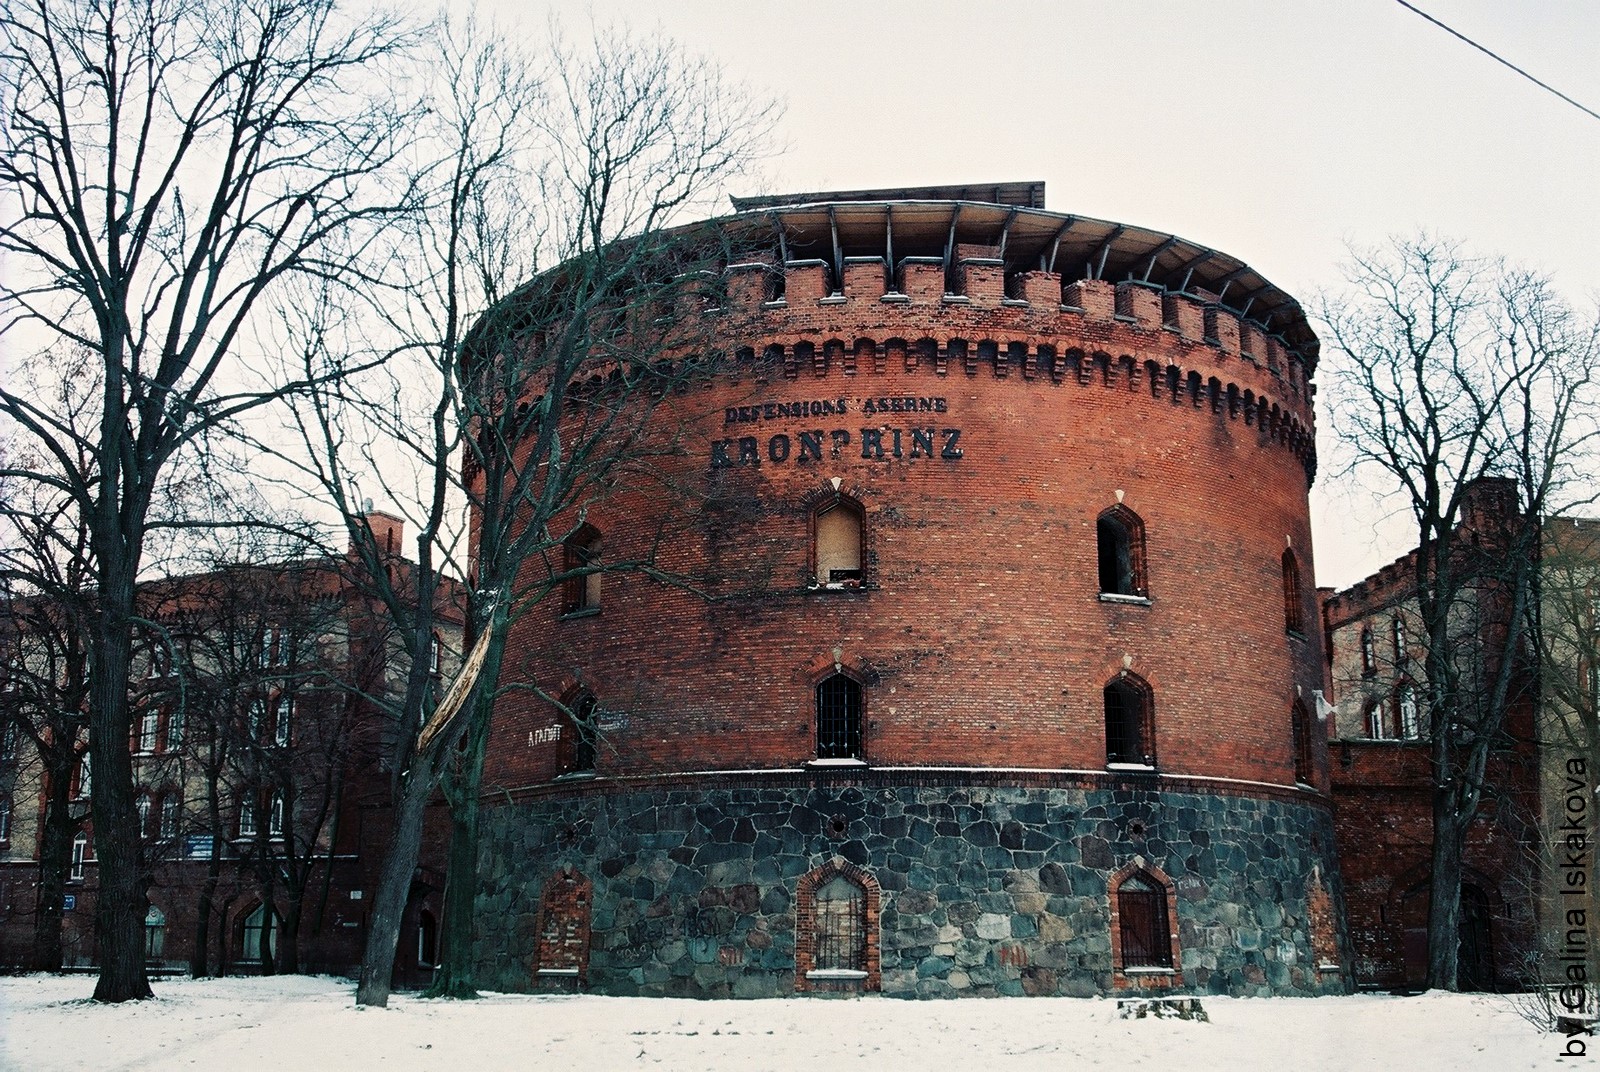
165	165
520	401
1466	386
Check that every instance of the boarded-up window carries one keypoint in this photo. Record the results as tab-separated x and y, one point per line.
1142	918
563	945
838	547
841	926
582	590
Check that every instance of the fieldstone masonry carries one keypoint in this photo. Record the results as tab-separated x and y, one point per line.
985	890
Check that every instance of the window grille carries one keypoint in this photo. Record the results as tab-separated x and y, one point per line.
1142	916
1127	724
838	719
841	933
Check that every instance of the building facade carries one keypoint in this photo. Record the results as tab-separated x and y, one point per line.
259	740
997	668
1381	769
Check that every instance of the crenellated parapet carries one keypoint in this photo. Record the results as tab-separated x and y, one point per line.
1182	349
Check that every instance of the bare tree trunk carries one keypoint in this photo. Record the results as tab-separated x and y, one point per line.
1444	894
121	904
394	888
200	958
55	857
457	970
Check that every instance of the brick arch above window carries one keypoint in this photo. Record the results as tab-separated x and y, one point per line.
810	928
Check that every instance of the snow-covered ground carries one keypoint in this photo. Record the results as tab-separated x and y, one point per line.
299	1023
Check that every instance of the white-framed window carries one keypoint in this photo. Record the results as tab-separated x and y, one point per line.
171	811
275	816
1369	654
280	725
144	814
5	818
258	719
1407	703
149	729
174	728
282	644
247	816
8	741
1401	647
435	654
85	776
80	853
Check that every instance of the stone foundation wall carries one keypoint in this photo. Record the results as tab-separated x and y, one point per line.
984	890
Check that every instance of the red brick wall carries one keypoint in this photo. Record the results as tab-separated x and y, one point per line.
978	633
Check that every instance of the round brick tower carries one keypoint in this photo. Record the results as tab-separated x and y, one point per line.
996	664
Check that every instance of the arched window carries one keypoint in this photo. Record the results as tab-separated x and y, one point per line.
837	540
582	560
1130	737
1144	926
1293	601
1377	721
1119	535
584	735
841	936
1369	657
1402	651
155	933
836	929
839	718
435	655
1304	763
1405	706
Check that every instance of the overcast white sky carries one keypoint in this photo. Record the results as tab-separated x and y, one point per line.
1275	131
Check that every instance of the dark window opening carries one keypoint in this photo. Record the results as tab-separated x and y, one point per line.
1293	601
584	738
427	939
1120	537
1369	656
1128	736
1304	766
1142	917
838	719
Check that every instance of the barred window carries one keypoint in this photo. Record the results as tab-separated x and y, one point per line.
1142	919
841	926
839	718
1129	736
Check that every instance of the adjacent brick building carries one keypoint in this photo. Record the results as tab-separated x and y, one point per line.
999	668
258	751
1382	785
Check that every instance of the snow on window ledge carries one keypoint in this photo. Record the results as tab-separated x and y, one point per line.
838	974
1149	971
1114	597
558	971
843	762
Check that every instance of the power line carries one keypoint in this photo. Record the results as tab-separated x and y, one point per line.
1497	58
